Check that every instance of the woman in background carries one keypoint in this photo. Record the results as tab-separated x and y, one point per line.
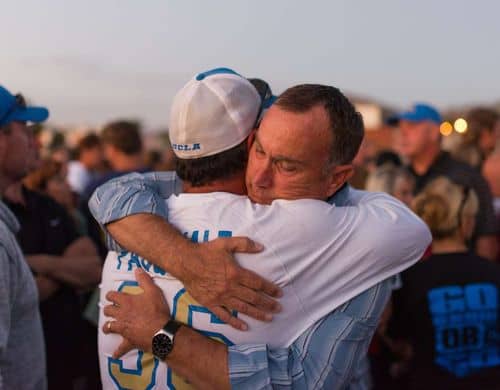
448	306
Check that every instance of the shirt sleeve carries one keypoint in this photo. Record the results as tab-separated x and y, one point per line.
327	355
330	353
132	194
5	303
346	250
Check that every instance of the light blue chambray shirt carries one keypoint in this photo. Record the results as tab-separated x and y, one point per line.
331	354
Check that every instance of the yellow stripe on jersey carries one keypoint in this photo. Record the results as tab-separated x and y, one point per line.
144	375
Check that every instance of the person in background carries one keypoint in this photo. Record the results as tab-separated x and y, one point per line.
22	357
448	307
483	130
153	160
394	180
392	177
89	160
419	142
50	179
123	150
491	171
64	264
61	154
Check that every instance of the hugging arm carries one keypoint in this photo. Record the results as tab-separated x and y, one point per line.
133	210
326	355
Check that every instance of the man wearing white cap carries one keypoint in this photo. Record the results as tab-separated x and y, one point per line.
211	119
22	354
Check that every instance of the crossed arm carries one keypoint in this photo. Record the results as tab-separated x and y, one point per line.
79	266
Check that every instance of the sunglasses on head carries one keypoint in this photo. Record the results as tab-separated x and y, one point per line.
265	93
19	102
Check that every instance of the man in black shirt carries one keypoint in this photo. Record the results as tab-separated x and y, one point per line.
63	264
419	141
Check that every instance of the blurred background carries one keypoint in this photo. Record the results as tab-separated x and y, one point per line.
108	70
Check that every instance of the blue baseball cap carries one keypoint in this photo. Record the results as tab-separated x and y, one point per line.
418	113
13	108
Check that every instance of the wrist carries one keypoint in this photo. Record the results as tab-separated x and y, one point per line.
43	264
184	259
164	340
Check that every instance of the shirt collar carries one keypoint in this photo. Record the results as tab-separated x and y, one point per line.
341	197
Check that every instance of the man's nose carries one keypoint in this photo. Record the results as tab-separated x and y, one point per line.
264	176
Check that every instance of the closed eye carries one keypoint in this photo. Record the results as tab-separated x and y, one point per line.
258	150
287	166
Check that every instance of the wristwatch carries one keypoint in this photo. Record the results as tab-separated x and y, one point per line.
163	340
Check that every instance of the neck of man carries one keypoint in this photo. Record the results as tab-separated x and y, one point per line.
5	183
14	193
233	185
124	163
449	245
423	161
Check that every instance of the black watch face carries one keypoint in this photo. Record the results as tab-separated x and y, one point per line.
162	346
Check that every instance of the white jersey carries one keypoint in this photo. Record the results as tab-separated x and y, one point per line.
321	255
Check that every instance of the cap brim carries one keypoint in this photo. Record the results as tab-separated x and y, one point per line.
29	114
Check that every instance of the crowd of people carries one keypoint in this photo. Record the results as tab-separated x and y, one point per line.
438	329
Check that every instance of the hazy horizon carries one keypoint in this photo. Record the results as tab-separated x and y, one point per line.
95	61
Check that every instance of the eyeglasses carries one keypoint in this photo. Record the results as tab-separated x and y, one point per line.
19	102
465	196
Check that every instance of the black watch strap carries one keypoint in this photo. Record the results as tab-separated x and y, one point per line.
163	340
171	327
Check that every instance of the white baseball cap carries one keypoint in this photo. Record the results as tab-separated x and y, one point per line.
213	112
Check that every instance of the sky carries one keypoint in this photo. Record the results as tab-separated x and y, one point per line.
97	60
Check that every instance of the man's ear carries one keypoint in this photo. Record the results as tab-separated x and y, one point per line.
251	138
339	175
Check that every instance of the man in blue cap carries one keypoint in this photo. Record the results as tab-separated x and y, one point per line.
419	141
22	354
